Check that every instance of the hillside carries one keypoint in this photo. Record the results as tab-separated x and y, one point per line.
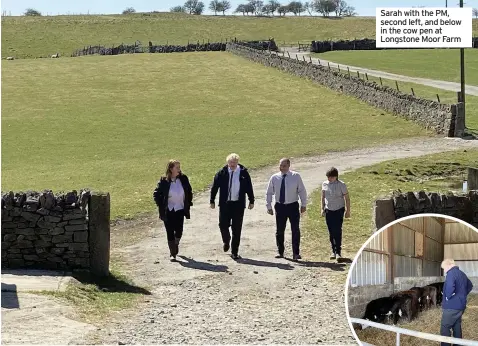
24	37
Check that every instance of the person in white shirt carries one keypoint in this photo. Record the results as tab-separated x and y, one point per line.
233	183
287	187
173	196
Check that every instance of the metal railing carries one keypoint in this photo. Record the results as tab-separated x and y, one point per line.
427	336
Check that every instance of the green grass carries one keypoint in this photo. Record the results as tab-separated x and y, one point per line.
94	299
111	123
64	34
425	92
432	173
440	64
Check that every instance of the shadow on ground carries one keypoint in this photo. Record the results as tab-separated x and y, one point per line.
190	263
110	283
333	266
248	261
9	296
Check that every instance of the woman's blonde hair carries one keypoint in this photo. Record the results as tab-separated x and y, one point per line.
169	167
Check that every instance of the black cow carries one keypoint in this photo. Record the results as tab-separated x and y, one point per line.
419	291
409	304
439	287
378	310
429	297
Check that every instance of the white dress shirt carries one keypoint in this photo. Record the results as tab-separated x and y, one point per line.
176	196
294	188
235	184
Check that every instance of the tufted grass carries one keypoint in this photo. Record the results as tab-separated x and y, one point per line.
440	64
432	173
65	34
111	123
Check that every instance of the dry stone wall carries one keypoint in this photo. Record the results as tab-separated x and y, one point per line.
363	44
441	118
45	231
463	207
137	47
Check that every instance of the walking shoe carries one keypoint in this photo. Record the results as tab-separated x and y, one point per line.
280	255
172	250
235	256
333	255
338	257
296	257
226	247
172	258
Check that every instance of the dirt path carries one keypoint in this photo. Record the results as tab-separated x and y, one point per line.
37	319
209	298
450	86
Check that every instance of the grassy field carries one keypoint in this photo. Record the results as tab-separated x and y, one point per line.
441	64
111	123
421	91
427	322
434	173
64	34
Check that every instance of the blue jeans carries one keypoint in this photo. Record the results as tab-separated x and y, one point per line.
451	319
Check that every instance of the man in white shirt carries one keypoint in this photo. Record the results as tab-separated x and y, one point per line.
233	183
287	187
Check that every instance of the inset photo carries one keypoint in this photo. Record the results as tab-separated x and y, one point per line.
415	283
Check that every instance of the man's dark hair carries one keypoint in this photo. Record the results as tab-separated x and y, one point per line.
285	159
332	172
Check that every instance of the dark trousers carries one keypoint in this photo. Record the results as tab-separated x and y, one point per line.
174	224
451	319
283	212
231	215
334	220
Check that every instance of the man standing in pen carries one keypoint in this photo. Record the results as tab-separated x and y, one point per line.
233	182
287	187
455	291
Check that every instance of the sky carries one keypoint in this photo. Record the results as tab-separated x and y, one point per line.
54	7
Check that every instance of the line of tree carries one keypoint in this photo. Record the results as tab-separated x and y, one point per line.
191	7
269	8
324	7
197	7
475	12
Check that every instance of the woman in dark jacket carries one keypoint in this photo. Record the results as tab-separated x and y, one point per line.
173	196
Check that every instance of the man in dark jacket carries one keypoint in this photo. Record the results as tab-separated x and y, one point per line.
233	182
455	290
